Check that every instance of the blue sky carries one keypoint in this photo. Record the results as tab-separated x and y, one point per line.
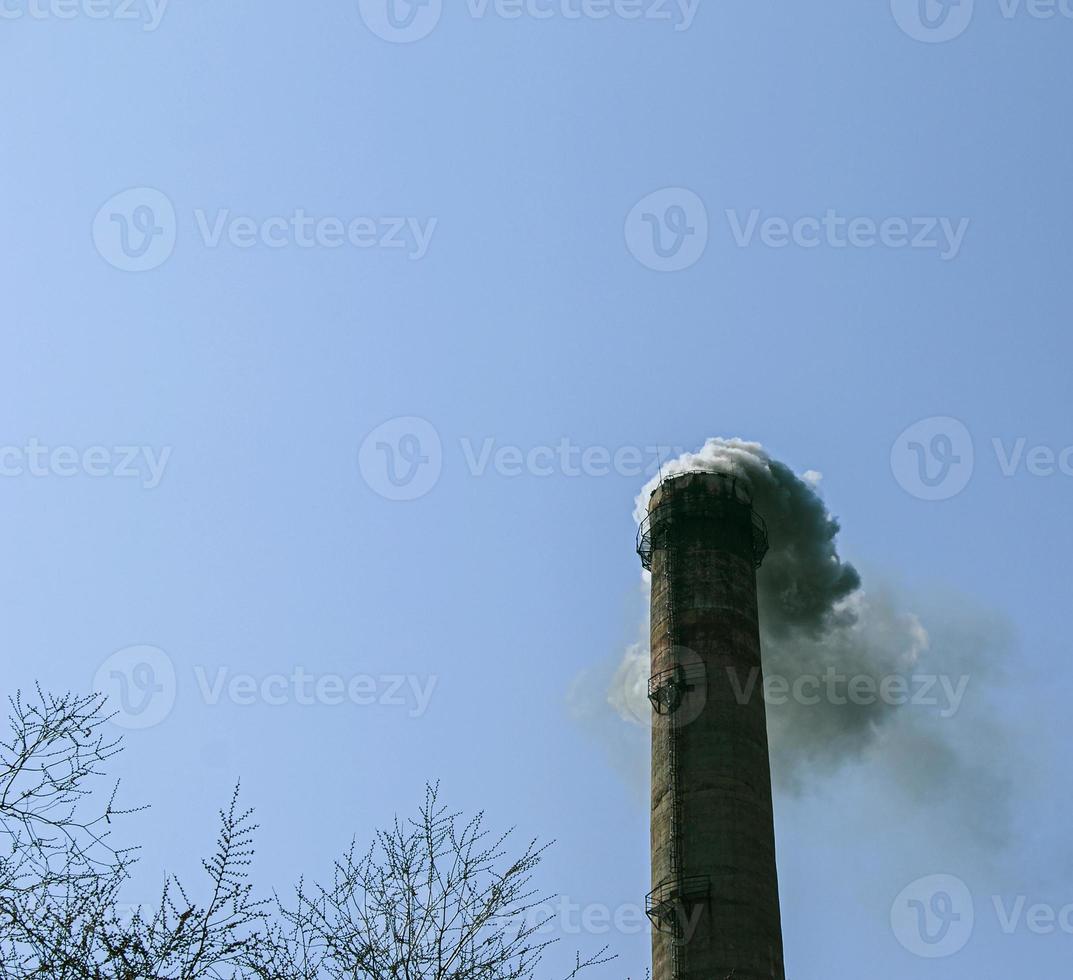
469	228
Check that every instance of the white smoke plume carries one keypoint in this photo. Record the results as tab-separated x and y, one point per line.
821	631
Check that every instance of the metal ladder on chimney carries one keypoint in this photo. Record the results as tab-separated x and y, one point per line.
677	949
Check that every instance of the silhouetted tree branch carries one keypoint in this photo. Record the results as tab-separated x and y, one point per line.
435	897
61	878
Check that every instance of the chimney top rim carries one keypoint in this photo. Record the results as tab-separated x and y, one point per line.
727	483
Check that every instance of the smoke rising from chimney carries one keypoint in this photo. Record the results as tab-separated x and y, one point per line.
817	623
804	582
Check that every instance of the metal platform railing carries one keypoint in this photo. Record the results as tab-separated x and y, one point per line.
668	905
657	528
667	688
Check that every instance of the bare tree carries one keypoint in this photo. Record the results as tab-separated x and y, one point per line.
57	746
59	867
435	897
61	877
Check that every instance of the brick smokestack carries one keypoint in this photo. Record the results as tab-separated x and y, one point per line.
715	899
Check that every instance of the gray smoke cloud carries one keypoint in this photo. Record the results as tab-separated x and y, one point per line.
804	582
852	675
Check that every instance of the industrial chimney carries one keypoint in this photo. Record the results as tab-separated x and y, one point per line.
714	903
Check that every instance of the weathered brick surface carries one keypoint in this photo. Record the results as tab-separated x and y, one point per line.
704	581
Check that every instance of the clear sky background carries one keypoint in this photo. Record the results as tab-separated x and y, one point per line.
533	317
